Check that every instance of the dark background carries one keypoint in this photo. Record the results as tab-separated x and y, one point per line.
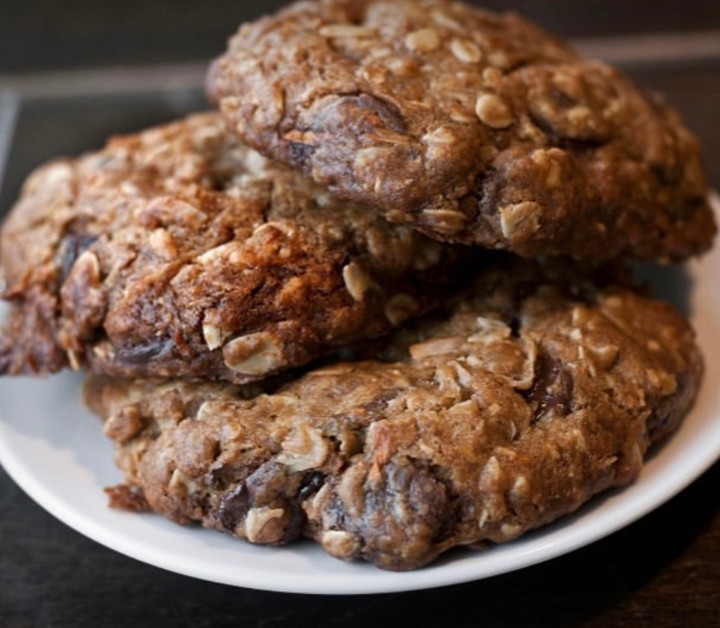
661	571
53	34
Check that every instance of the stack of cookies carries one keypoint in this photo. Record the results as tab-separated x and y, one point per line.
378	299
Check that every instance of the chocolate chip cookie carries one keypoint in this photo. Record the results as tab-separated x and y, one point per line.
179	252
473	127
534	391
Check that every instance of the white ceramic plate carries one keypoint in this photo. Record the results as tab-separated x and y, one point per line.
55	450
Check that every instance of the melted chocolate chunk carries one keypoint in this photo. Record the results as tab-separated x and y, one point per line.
234	507
552	388
300	152
141	353
363	113
311	484
71	247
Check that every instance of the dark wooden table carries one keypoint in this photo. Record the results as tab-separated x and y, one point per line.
664	570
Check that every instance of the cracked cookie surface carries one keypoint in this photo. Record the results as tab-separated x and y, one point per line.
178	252
473	127
532	392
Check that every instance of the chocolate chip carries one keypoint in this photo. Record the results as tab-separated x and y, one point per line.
413	494
552	387
234	507
299	152
142	353
562	99
363	113
311	484
71	247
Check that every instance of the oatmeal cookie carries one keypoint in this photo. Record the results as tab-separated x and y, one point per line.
535	391
473	127
178	252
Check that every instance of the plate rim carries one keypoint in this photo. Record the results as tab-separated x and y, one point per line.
557	539
539	550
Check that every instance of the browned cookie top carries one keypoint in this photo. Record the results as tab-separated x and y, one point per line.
178	252
535	391
475	127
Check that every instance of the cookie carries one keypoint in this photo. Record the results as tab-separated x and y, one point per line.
532	393
178	252
472	127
